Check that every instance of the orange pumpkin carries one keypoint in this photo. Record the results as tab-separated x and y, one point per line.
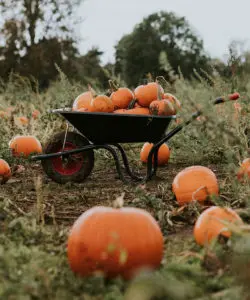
82	109
244	170
194	183
120	111
163	153
5	171
35	114
133	111
25	145
172	99
210	225
162	108
3	114
145	94
10	109
115	242
22	120
83	101
121	97
101	103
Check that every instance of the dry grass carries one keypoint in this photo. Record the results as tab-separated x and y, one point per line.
36	214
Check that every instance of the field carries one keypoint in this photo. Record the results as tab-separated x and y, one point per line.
36	213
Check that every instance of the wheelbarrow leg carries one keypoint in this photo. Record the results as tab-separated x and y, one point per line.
116	159
126	164
152	166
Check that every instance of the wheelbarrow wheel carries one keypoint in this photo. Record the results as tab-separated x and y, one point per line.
70	168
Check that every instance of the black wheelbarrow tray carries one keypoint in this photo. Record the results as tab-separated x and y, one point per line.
69	155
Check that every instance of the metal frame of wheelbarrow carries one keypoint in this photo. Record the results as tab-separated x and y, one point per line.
114	148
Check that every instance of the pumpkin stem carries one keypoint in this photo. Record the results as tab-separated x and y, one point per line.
119	201
132	103
149	78
113	86
92	91
159	95
198	190
163	82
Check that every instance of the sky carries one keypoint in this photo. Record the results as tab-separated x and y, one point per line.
217	22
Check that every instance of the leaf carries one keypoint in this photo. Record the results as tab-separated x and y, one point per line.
123	257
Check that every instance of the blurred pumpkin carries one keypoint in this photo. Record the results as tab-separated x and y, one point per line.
162	108
5	172
194	183
115	242
3	114
210	225
35	114
25	145
244	170
22	120
145	94
101	103
163	153
121	97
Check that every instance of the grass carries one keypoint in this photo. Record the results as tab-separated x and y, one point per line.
36	214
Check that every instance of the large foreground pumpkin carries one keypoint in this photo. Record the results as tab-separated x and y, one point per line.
194	183
210	224
5	171
25	145
114	242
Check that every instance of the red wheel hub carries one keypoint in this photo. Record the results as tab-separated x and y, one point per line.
69	165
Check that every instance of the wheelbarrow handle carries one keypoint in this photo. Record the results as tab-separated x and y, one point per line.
230	97
194	116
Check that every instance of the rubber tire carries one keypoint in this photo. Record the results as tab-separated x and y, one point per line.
79	141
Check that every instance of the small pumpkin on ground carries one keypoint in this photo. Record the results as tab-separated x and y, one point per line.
121	97
210	224
163	153
5	172
115	242
145	94
3	114
22	120
25	145
194	183
244	170
35	114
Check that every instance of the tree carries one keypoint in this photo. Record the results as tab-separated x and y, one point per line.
36	35
141	51
89	70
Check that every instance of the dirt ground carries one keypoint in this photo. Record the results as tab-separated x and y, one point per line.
31	191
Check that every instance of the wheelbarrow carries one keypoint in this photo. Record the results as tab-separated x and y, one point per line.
69	155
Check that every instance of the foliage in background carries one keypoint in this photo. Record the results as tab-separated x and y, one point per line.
165	33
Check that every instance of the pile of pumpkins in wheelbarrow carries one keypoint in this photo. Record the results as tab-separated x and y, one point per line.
122	241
